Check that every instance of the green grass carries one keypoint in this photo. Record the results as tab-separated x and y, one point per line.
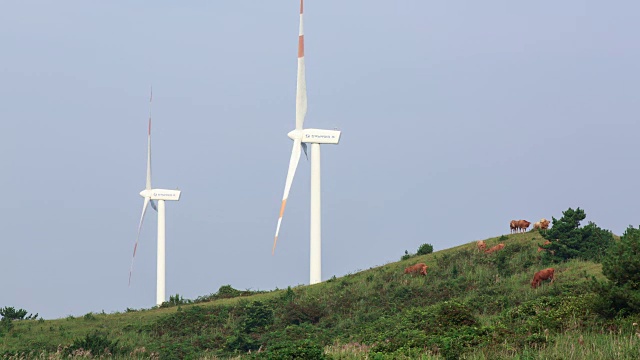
470	305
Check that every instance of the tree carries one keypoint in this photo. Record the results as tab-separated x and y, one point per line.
569	240
10	313
621	266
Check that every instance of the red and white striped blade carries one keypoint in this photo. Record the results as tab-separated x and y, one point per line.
301	88
293	164
148	185
135	247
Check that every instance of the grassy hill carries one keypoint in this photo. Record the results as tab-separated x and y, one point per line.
470	305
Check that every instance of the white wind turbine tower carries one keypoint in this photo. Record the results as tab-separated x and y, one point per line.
149	195
300	139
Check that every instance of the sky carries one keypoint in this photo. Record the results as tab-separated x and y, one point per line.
456	117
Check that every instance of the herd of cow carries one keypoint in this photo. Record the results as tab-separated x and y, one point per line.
516	226
522	225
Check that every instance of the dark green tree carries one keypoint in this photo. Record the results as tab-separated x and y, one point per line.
621	294
622	263
569	240
10	313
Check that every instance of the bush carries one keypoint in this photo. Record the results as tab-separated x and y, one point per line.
298	350
97	344
425	249
406	256
241	342
452	314
225	292
175	300
258	316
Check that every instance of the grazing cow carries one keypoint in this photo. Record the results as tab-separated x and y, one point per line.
420	268
494	249
546	242
523	225
537	225
542	275
482	246
514	226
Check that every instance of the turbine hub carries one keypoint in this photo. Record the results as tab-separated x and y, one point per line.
295	134
145	193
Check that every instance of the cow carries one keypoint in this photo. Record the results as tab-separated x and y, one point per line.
514	226
482	246
420	268
543	224
542	275
494	249
546	242
523	225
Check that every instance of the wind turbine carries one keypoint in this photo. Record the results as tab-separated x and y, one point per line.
301	137
149	196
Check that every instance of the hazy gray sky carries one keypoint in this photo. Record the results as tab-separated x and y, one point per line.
456	116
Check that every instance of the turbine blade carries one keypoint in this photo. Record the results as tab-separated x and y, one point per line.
301	88
304	148
153	205
293	164
148	186
135	247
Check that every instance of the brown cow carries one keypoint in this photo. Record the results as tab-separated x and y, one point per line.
482	246
546	242
543	224
514	226
523	225
494	249
542	275
420	268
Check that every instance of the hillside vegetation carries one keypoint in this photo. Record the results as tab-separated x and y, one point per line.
470	305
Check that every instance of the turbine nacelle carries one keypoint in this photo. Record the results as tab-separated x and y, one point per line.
161	194
317	136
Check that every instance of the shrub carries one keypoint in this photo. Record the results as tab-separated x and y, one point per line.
406	255
175	300
298	350
241	342
451	314
258	315
5	325
425	249
226	292
298	313
98	344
